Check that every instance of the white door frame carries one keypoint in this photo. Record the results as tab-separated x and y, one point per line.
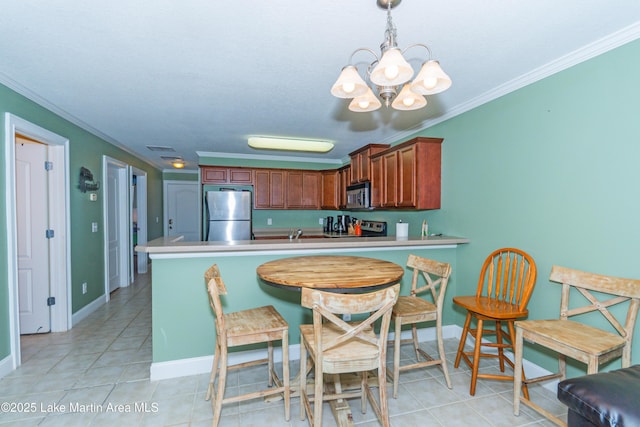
60	255
123	217
141	204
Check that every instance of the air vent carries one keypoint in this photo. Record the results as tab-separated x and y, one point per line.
159	148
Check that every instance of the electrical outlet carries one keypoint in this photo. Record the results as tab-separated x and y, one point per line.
269	221
94	227
321	221
346	317
84	288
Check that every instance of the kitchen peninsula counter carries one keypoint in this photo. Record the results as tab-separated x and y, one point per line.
182	324
176	245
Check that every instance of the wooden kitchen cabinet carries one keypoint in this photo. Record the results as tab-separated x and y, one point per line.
330	189
303	189
345	179
224	175
361	162
409	175
377	182
268	189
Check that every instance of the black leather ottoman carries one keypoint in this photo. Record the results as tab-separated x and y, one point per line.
603	399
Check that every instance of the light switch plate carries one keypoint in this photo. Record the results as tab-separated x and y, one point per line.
269	221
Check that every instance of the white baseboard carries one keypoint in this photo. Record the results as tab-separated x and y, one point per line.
6	365
87	310
202	365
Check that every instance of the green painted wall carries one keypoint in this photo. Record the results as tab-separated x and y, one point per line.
552	169
179	176
183	321
85	150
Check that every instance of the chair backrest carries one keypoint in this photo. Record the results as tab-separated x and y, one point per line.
326	305
617	290
436	275
215	288
508	275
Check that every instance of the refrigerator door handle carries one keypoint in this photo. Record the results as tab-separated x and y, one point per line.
206	207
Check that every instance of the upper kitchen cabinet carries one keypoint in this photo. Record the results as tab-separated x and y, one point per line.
224	175
269	189
344	174
361	162
408	175
330	189
303	189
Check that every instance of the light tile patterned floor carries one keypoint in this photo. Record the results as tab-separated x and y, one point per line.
97	374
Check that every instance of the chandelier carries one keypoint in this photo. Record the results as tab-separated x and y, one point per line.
390	74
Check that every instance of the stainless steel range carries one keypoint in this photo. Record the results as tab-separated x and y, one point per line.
369	229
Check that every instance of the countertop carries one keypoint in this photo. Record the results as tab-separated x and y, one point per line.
176	245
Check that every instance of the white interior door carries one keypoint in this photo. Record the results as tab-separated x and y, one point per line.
32	244
117	225
138	198
181	211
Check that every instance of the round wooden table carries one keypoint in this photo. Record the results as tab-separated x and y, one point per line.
336	273
331	273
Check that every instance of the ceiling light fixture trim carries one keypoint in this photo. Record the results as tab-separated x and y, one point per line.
389	73
290	144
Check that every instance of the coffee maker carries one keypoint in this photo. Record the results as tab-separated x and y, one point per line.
328	224
341	226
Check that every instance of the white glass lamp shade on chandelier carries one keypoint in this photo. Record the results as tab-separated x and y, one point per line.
388	74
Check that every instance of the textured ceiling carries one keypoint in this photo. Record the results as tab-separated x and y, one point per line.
201	76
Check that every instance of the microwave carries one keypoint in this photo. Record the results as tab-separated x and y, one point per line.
359	196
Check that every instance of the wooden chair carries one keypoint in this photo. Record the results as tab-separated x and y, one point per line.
506	283
412	309
569	338
257	325
337	347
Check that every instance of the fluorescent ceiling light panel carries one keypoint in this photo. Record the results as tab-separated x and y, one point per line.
269	143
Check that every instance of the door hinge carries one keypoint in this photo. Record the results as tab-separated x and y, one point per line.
49	234
48	165
51	301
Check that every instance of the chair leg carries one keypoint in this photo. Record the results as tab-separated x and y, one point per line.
476	358
416	345
285	374
463	340
512	337
303	380
443	360
222	380
396	358
270	359
500	344
363	392
518	371
214	372
318	395
382	389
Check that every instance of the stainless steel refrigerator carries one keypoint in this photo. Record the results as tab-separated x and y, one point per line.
228	215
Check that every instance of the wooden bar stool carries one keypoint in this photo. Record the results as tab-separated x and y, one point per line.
337	347
256	325
413	309
505	286
570	338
